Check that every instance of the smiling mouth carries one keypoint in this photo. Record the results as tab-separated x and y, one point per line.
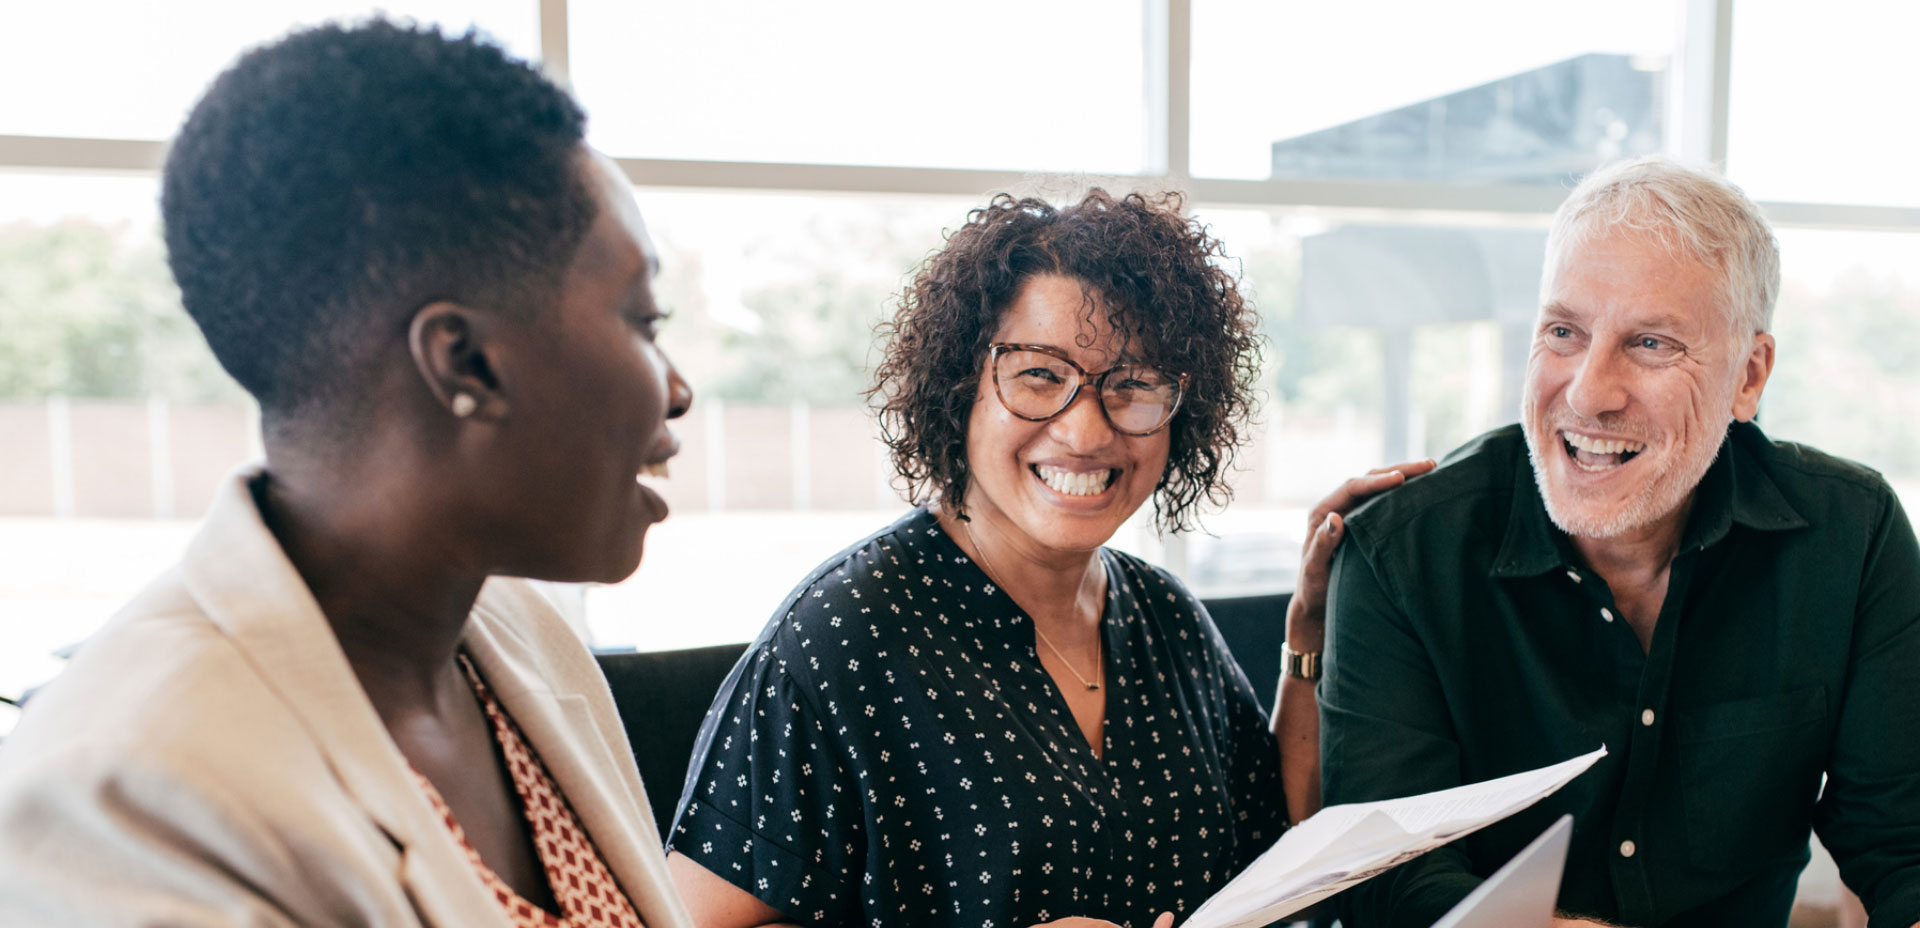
1075	483
1598	455
657	470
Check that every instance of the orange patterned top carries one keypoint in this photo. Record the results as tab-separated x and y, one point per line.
588	895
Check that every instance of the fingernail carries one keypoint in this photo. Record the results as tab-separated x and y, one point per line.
1333	523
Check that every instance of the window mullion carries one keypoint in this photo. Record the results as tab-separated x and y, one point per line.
554	52
1167	41
1702	76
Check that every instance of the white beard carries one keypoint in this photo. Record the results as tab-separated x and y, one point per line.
1658	497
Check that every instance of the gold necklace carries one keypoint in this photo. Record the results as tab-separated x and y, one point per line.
1099	669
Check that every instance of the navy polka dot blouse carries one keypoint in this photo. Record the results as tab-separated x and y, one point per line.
890	752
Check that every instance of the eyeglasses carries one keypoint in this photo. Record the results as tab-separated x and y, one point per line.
1038	382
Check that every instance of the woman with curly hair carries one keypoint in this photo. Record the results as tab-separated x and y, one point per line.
980	715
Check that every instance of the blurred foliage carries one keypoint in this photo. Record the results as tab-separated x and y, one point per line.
1308	365
1844	377
803	328
1456	385
88	310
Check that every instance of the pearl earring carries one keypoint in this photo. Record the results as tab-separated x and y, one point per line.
464	405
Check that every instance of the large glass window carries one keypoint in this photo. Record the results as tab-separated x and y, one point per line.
116	422
1848	331
87	304
1387	341
128	69
1011	84
1808	108
773	301
1410	90
1394	332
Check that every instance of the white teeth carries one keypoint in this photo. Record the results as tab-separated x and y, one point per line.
1072	483
1600	446
656	469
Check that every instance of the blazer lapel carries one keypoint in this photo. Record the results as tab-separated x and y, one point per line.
587	755
236	570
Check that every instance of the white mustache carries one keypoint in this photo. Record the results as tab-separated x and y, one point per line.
1629	431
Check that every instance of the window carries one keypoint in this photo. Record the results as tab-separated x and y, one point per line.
1808	117
773	301
118	423
1848	329
1009	84
122	69
1382	174
1365	91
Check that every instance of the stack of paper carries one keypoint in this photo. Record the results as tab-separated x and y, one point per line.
1343	846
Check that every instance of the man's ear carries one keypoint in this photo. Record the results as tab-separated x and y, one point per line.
1754	371
448	342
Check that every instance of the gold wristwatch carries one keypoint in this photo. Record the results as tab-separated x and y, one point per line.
1295	664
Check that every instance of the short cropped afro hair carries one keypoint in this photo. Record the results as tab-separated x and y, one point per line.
1161	279
333	182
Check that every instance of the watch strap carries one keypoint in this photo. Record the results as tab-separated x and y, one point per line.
1303	666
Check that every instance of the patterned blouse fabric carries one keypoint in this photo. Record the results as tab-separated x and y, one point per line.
890	752
588	895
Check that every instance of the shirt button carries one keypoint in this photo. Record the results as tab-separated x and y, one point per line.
1606	613
1626	849
1646	717
1573	575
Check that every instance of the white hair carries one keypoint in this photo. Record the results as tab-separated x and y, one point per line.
1690	209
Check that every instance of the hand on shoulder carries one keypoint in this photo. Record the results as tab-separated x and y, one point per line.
1326	526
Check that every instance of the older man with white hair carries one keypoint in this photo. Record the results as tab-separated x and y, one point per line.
1637	564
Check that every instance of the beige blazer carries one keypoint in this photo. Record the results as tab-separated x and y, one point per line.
209	759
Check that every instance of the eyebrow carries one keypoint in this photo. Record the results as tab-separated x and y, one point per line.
1662	322
1560	311
1125	357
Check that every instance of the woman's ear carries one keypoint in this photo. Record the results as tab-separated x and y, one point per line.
448	344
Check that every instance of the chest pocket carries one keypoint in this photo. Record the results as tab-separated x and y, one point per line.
1750	772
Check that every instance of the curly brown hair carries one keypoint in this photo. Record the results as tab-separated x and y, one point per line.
1160	276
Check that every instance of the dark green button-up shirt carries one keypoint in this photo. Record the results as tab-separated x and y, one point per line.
1468	641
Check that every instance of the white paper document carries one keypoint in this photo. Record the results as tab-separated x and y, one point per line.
1342	846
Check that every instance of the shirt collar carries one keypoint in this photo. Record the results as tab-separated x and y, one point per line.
1736	490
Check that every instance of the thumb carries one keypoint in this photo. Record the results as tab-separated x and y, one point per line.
1164	921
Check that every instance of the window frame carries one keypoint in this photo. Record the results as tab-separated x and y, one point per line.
1700	132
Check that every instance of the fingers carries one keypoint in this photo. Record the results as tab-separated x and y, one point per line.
1164	921
1356	490
1351	493
1410	468
1321	545
1307	611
